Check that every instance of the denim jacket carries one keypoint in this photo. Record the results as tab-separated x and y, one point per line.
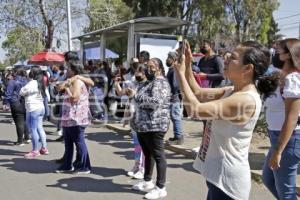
152	112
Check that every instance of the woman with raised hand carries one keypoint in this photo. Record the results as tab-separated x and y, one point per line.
282	114
232	113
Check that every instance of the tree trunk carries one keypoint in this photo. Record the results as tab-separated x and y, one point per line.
49	24
49	40
238	33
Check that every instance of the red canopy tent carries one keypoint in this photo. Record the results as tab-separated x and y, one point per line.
47	58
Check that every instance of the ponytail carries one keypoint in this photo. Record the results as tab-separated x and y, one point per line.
266	85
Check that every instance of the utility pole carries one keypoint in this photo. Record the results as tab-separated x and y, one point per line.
299	30
69	25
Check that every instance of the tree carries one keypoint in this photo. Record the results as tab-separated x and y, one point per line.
273	32
211	19
42	16
251	17
106	13
21	43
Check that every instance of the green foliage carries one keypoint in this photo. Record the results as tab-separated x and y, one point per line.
106	13
21	43
150	8
252	18
211	19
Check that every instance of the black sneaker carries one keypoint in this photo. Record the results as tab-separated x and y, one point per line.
19	144
175	141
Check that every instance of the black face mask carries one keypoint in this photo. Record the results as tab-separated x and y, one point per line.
150	75
277	62
203	50
139	78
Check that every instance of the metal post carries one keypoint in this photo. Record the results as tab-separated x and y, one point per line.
299	29
102	46
82	50
130	42
69	26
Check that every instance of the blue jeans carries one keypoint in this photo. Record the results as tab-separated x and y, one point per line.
176	117
34	122
282	182
47	112
138	153
75	134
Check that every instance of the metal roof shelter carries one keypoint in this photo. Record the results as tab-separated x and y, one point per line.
128	28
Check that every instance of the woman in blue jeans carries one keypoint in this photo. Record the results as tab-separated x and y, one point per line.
34	93
282	115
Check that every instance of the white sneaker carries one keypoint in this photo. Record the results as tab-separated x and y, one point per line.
59	133
139	174
144	186
156	193
134	170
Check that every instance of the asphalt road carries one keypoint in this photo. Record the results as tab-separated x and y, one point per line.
111	155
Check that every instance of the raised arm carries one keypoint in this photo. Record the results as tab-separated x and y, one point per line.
73	90
87	80
30	88
237	108
202	94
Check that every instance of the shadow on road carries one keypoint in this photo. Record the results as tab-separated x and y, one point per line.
9	152
34	166
105	137
87	184
107	172
186	166
128	155
6	143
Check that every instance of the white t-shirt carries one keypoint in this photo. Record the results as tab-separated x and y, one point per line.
33	97
275	108
292	88
275	111
223	155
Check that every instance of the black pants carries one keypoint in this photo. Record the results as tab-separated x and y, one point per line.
19	116
153	148
215	193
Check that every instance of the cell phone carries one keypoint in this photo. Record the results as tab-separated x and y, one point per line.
181	52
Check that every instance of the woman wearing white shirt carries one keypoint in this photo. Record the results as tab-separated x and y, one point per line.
232	113
282	113
34	93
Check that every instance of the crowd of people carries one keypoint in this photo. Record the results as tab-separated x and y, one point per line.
227	92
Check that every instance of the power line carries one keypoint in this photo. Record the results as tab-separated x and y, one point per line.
290	24
288	28
287	17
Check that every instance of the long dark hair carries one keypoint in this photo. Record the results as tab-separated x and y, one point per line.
20	71
292	46
160	65
76	67
259	56
37	74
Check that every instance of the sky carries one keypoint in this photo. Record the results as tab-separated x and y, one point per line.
288	24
